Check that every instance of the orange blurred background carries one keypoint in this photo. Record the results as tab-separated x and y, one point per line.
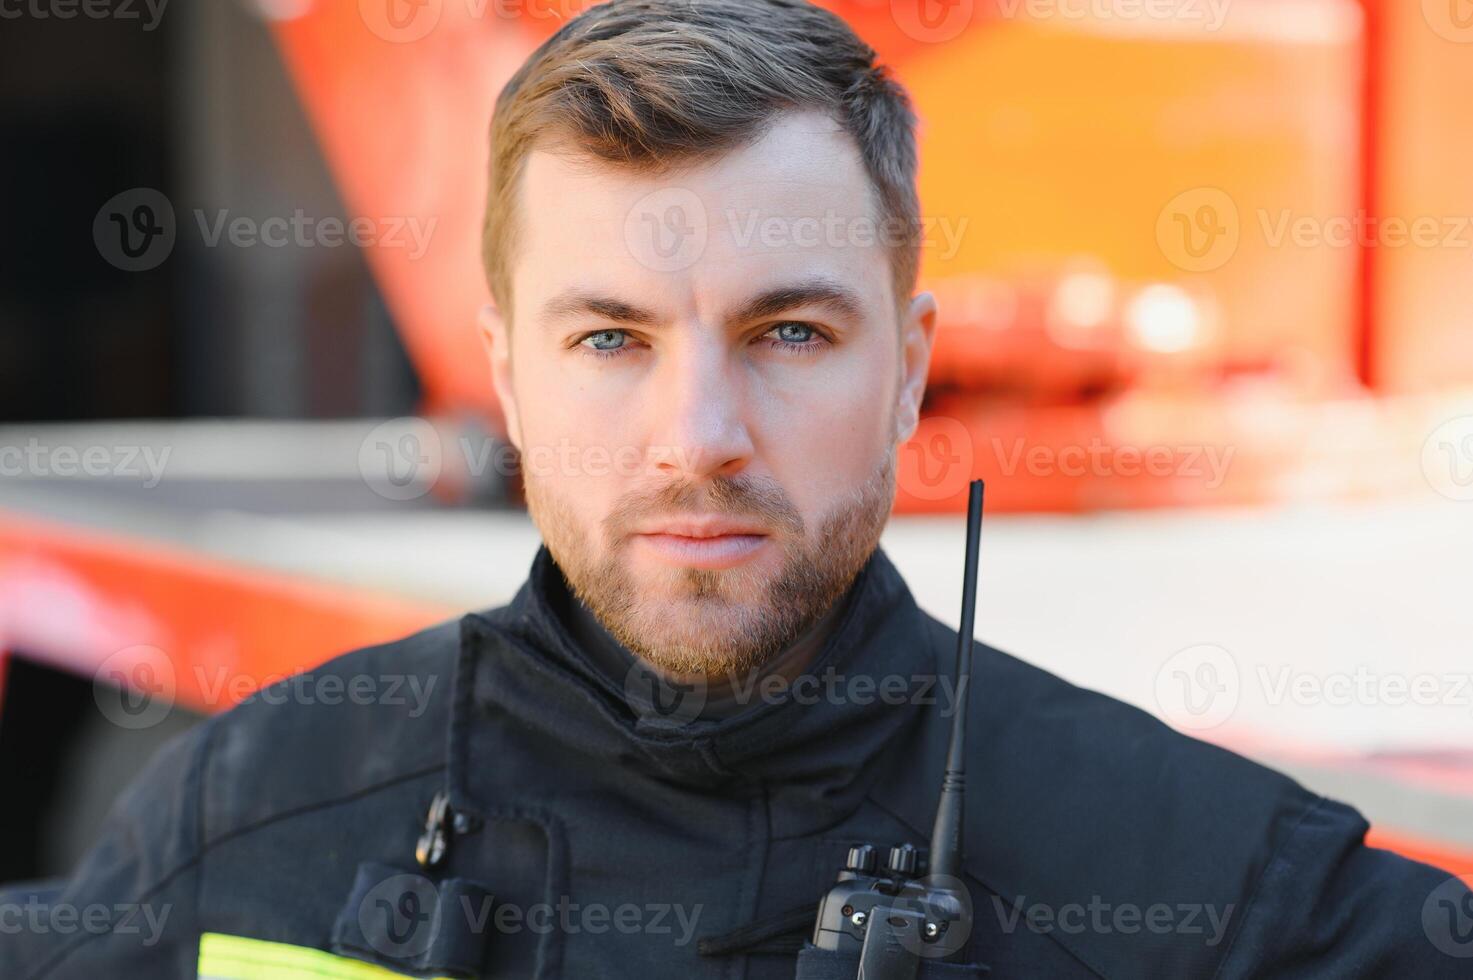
1183	225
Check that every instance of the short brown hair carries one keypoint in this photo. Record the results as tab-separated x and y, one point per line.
653	83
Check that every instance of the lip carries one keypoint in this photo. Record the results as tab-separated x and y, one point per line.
710	553
710	543
712	526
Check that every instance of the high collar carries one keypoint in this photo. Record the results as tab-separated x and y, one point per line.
813	742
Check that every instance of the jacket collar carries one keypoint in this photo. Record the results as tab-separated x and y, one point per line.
812	743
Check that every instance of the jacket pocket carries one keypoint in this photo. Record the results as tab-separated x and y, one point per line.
412	925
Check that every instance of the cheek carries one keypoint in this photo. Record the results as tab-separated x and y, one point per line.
575	446
825	436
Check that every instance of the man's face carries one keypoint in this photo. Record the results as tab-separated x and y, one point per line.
707	381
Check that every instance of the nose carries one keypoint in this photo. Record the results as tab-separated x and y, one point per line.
699	406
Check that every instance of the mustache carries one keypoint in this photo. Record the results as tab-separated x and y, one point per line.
730	496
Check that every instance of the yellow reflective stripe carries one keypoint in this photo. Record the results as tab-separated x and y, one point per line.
223	957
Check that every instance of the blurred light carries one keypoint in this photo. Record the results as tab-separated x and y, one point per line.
1082	303
1164	318
990	304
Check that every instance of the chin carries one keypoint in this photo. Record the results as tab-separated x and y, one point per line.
696	635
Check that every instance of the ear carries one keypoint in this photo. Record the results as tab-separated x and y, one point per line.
917	334
498	349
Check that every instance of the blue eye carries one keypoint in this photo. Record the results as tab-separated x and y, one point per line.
605	340
794	333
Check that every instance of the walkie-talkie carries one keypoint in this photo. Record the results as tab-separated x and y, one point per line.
896	916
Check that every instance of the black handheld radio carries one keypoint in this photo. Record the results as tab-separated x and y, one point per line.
912	910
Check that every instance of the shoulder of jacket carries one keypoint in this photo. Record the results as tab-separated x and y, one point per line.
364	720
1056	742
1079	801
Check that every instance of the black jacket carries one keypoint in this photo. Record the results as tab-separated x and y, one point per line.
584	840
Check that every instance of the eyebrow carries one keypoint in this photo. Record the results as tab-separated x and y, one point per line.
833	296
574	302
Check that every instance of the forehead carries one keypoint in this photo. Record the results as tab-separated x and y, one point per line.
794	203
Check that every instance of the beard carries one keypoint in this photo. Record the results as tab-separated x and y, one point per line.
704	622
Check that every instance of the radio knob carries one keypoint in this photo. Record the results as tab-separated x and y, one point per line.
861	859
903	859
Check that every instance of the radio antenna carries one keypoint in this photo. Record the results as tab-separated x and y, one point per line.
946	836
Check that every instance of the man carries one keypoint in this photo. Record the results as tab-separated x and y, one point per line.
702	243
